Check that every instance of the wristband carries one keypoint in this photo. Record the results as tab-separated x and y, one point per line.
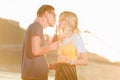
71	61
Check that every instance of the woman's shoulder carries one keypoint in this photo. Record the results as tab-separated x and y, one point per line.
72	38
76	36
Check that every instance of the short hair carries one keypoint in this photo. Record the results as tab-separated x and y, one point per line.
43	9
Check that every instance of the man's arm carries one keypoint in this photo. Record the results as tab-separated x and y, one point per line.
38	50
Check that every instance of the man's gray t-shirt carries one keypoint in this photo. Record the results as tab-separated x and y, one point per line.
33	67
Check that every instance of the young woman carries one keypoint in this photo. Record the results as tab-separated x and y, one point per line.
71	51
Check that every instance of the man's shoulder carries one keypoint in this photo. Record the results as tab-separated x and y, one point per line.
35	25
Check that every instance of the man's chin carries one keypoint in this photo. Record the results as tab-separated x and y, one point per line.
51	25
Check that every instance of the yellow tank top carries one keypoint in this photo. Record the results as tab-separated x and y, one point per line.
68	50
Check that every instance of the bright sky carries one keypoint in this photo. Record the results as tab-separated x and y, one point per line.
101	17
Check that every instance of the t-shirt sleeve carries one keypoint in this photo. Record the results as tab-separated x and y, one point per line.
37	31
79	44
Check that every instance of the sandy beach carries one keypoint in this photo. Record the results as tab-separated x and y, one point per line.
14	76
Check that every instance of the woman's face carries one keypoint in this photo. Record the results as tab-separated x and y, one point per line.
61	23
60	27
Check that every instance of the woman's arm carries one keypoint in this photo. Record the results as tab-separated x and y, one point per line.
82	59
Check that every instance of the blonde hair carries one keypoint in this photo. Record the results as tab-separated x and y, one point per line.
71	23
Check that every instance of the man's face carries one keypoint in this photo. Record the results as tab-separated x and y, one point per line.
51	18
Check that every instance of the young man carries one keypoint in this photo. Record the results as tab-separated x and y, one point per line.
34	64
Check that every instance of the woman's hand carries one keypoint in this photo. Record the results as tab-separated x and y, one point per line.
64	59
